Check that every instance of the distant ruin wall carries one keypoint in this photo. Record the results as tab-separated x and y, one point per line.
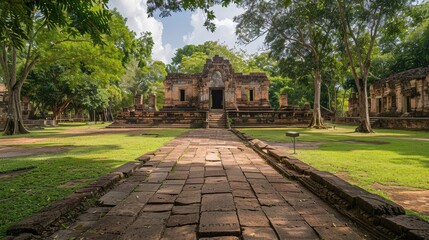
391	123
195	119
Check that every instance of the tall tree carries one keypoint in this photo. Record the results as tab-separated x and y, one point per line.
413	52
165	8
20	24
191	58
363	23
298	30
68	68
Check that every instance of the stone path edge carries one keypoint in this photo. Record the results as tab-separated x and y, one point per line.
51	217
382	218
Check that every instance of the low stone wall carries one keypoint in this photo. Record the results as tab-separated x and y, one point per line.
403	123
160	118
268	118
391	122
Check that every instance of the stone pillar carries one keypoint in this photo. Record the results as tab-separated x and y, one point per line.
152	102
283	100
138	102
138	99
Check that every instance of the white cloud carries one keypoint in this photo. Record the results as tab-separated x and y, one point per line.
139	22
225	29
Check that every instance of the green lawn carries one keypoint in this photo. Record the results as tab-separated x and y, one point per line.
90	156
403	159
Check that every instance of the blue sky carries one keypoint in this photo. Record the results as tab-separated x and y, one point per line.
181	28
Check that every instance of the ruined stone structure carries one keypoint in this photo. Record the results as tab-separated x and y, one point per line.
402	94
3	105
215	98
218	87
398	101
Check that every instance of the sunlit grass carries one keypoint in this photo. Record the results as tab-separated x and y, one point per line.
89	157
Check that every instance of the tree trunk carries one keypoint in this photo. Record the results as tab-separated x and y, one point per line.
110	116
343	102
364	123
14	123
61	107
316	120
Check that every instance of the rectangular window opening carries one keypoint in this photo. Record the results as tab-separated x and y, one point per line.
182	95
250	97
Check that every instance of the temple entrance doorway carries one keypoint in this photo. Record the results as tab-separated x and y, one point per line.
216	99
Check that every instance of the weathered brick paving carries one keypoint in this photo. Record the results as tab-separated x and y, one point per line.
207	183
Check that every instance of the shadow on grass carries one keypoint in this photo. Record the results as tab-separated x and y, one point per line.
10	164
29	192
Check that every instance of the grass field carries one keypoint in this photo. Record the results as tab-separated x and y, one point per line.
90	151
388	157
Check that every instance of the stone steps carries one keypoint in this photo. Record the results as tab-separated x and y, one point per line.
217	120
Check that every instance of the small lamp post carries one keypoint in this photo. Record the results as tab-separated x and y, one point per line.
293	135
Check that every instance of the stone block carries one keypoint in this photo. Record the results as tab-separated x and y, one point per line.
144	158
277	154
183	219
250	218
377	206
150	232
247	203
417	235
216	188
295	230
186	209
66	204
192	187
112	224
35	224
337	233
147	187
112	198
157	208
217	202
187	232
170	189
128	168
404	223
254	233
218	224
159	198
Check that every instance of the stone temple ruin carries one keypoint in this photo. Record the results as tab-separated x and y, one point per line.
402	94
398	101
3	105
215	98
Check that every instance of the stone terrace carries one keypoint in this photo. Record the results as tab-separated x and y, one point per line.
205	184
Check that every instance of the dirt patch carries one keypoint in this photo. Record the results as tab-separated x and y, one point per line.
14	173
19	141
102	131
15	151
411	198
72	184
299	145
365	142
417	139
344	176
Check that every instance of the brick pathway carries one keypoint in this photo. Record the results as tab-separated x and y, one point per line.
207	183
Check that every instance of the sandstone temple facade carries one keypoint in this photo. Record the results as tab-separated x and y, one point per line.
402	94
218	87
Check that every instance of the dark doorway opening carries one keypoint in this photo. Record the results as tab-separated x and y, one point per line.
216	99
408	104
